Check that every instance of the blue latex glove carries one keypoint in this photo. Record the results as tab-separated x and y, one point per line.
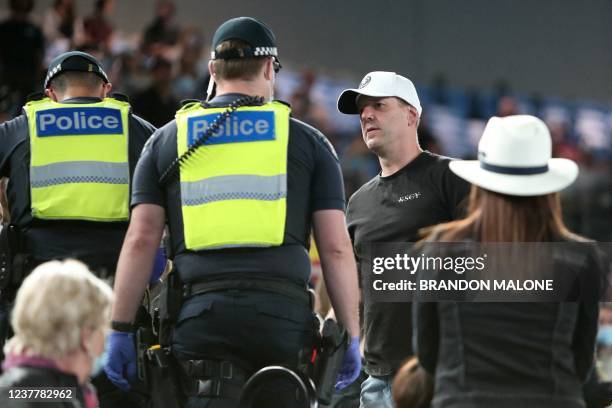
351	365
159	266
120	368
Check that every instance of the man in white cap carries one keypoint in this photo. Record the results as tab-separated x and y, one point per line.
415	189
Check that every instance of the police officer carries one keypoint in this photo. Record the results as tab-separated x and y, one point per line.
240	209
69	159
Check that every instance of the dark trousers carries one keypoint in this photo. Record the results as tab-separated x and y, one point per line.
250	329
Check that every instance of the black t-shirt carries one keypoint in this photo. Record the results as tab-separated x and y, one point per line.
314	182
392	209
96	243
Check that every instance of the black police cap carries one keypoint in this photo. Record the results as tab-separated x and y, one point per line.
259	36
74	61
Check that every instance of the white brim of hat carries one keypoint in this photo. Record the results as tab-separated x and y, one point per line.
561	173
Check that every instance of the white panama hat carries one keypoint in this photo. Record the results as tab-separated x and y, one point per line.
514	158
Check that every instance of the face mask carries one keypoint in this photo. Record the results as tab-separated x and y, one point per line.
604	335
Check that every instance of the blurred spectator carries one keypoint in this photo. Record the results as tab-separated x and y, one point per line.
127	74
598	388
426	138
412	386
60	26
475	105
61	317
537	104
98	29
189	82
21	53
439	90
163	32
506	106
300	100
604	341
358	165
157	104
562	145
304	108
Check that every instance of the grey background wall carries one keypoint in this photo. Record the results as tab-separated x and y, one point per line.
555	47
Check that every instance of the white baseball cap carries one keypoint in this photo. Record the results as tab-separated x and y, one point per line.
514	158
380	84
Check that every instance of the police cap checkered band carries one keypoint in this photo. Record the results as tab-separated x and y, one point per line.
255	33
74	61
245	53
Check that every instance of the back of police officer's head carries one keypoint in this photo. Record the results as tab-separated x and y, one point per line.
76	74
244	52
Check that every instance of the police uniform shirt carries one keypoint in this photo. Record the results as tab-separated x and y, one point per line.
314	182
96	243
393	209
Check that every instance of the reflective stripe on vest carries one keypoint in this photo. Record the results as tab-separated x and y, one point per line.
234	188
79	160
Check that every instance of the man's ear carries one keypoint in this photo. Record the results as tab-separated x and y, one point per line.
106	88
268	68
211	69
50	93
413	117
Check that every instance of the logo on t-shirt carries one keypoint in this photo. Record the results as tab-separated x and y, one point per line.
409	197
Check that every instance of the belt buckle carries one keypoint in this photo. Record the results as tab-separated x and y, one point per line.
210	387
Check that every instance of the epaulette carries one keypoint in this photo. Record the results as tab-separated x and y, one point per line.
35	96
185	102
283	102
120	97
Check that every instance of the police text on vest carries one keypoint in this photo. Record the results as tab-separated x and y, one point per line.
79	121
242	126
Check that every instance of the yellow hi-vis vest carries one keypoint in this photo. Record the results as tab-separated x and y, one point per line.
234	187
79	160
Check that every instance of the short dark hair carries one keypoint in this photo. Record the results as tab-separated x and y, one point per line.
76	78
237	68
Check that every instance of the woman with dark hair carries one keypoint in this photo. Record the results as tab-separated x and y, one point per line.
500	354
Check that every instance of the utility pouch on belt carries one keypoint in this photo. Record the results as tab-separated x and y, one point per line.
14	262
6	257
157	369
333	346
169	306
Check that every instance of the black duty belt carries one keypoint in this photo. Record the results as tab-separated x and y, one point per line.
214	378
286	288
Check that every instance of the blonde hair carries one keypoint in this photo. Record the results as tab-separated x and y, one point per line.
55	303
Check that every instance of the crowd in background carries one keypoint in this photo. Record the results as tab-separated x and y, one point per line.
167	62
